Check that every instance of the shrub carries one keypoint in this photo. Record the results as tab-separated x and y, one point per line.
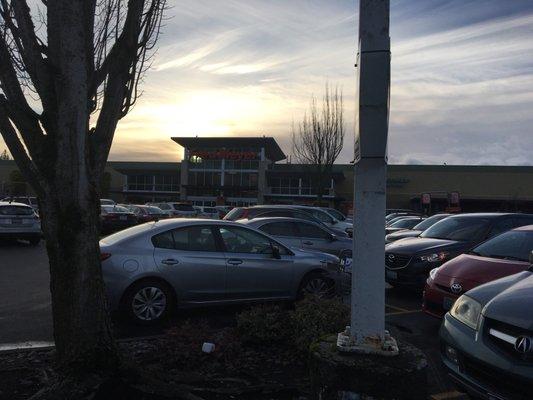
314	318
264	324
311	319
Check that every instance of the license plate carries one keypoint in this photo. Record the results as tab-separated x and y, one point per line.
123	218
347	263
391	275
447	303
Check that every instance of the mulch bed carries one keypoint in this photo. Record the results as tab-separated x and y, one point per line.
235	370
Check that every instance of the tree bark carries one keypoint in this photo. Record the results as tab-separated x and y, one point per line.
82	328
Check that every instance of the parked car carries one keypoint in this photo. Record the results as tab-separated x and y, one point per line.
19	221
146	213
151	269
207	212
402	224
223	210
306	235
276	210
399	218
416	230
31	201
337	214
107	202
500	256
409	261
327	219
176	209
114	218
487	339
391	216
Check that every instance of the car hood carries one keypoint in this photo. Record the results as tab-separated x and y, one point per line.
508	300
479	269
403	234
418	245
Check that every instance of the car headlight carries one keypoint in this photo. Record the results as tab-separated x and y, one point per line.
432	273
467	311
434	257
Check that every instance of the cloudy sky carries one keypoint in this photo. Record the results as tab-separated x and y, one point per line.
462	76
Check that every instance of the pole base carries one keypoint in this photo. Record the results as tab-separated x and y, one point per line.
367	375
387	346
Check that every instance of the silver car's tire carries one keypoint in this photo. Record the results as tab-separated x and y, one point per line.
317	285
148	302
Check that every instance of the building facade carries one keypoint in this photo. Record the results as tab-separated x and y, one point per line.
241	171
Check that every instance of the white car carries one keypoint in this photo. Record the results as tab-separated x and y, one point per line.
107	202
176	210
19	221
207	212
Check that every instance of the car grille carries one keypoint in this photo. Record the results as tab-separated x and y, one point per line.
498	327
396	261
497	380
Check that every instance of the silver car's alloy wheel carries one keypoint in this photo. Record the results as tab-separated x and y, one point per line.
149	303
318	287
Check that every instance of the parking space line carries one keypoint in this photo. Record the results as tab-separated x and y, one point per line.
396	308
448	396
403	312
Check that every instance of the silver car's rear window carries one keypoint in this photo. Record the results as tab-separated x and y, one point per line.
15	210
126	234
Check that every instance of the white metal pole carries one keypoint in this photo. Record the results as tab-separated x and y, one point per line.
370	173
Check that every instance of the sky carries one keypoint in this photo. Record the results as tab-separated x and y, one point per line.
461	92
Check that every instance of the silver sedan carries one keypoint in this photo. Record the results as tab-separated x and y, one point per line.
151	269
306	235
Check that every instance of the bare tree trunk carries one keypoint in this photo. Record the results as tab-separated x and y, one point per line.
82	329
89	63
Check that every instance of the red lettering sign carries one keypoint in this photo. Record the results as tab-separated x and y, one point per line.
224	154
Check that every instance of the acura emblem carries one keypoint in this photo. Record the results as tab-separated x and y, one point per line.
523	344
456	288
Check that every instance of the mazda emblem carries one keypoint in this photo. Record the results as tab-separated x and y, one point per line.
523	344
456	288
391	257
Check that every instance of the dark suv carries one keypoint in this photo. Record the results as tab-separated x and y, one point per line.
408	261
487	339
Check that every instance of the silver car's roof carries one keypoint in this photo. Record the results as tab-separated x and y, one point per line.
263	220
156	227
13	203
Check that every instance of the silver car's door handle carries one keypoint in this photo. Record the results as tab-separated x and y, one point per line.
234	261
170	261
307	242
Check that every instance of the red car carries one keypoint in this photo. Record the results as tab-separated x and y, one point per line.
500	256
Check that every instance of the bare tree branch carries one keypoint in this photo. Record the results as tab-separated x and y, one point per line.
17	150
319	138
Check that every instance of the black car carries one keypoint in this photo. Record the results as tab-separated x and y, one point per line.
487	339
115	218
408	261
416	230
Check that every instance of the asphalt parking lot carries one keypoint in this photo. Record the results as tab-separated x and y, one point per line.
25	312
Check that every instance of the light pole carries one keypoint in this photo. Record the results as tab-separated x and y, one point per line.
367	330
